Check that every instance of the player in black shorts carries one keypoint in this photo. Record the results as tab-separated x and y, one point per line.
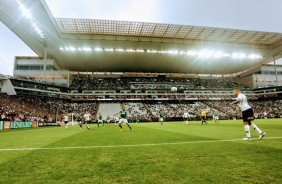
247	114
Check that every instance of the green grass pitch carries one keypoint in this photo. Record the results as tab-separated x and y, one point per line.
173	153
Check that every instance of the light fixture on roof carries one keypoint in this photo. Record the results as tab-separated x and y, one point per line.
218	54
28	15
87	49
204	53
109	49
192	53
152	51
120	50
72	49
175	52
139	50
98	49
254	56
130	50
238	55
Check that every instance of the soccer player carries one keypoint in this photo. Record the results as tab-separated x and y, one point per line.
161	118
123	118
108	120
66	120
79	120
116	120
87	119
247	114
204	117
265	115
100	120
186	117
216	117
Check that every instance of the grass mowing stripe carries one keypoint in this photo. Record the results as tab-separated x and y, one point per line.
129	145
24	130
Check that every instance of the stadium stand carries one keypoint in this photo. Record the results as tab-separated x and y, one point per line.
177	110
138	111
195	94
108	109
28	108
153	83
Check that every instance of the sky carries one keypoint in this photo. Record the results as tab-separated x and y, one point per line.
258	15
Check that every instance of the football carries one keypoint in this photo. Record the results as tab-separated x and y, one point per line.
173	89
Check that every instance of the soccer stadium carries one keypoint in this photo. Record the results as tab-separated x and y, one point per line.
139	101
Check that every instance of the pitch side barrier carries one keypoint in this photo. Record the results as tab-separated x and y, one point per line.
7	125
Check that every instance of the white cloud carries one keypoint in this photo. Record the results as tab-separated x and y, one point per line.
239	14
130	10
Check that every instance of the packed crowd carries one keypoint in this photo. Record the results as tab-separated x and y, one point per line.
138	111
270	108
152	83
18	108
177	110
37	85
76	108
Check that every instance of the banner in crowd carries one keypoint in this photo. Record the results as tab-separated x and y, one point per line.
6	125
21	124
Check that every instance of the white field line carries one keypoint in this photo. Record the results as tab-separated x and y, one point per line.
129	145
28	129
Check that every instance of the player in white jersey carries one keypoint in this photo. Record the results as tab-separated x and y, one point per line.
247	114
265	115
186	117
116	120
87	119
66	120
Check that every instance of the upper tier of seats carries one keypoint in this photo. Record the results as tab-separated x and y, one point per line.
153	83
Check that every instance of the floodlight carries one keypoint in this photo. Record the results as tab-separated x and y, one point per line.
98	49
130	50
173	52
109	49
218	54
254	56
152	51
120	50
238	55
87	49
205	53
192	53
139	50
72	49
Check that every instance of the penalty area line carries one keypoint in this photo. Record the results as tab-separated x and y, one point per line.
130	145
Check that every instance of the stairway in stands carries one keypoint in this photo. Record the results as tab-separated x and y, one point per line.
108	109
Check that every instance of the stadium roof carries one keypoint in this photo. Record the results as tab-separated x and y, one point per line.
170	31
105	45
